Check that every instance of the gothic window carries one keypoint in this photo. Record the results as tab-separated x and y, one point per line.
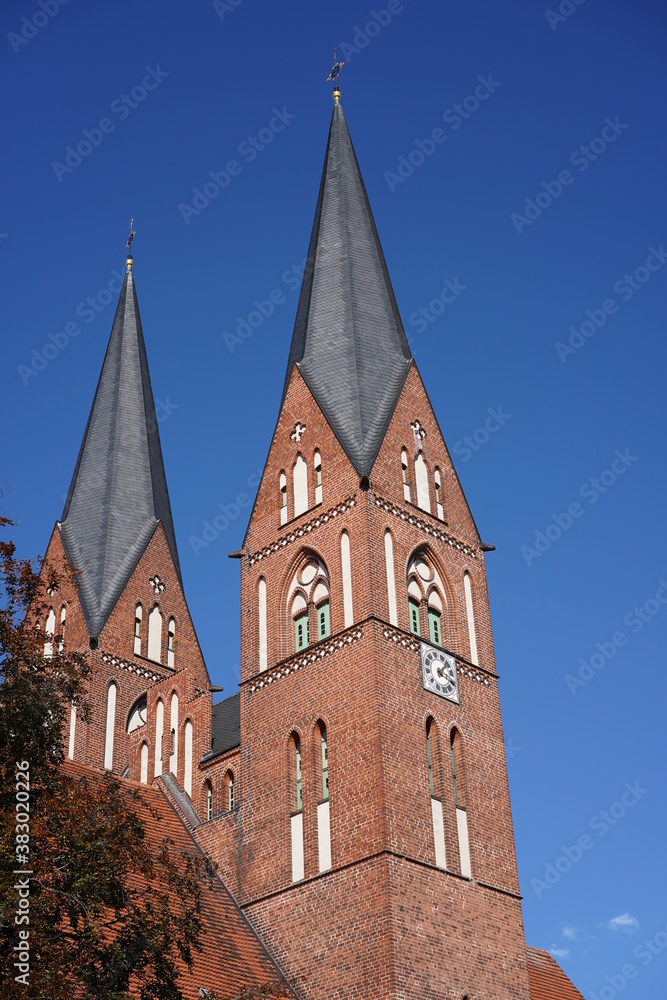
155	635
438	494
318	477
173	726
209	800
433	761
110	726
348	614
324	760
187	777
470	612
426	597
404	472
138	615
296	809
323	810
261	602
300	477
421	479
159	729
50	629
230	801
137	715
460	802
63	616
391	577
297	801
144	763
72	730
171	631
309	585
283	498
428	755
414	616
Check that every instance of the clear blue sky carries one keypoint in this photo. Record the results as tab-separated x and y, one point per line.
553	85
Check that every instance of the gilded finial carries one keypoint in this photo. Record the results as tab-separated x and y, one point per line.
129	262
333	75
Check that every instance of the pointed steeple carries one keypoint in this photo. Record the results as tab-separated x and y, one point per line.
118	492
348	342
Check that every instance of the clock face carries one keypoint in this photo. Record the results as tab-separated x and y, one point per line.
439	673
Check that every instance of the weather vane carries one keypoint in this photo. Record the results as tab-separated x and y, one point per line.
131	238
335	70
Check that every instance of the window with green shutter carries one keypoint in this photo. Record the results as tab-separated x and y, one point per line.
323	626
414	616
299	799
325	763
301	631
434	627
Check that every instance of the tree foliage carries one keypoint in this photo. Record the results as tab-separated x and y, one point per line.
112	914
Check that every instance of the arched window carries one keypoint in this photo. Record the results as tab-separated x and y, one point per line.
138	615
317	462
187	776
413	607
460	801
72	730
209	800
63	616
323	810
348	614
421	479
155	635
110	726
173	725
433	760
391	578
300	477
470	612
144	763
159	729
137	715
230	800
438	494
296	812
50	629
425	587
283	498
261	603
309	585
171	632
434	615
404	473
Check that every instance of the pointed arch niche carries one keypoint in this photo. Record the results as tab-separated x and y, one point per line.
308	587
428	600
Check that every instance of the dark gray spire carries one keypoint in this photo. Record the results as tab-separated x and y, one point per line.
348	340
119	488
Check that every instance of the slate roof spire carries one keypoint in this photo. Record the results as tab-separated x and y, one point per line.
348	341
118	492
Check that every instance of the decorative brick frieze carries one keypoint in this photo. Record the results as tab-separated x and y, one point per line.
314	654
298	534
425	526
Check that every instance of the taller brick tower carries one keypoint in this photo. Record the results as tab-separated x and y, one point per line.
374	841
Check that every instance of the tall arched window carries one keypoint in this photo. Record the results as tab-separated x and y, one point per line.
230	800
63	616
460	801
138	615
404	473
72	730
433	760
434	618
173	726
438	494
427	601
346	565
283	498
323	808
209	800
300	476
309	585
296	817
470	612
159	730
144	763
421	479
187	776
391	578
155	635
317	462
171	632
110	726
50	629
261	607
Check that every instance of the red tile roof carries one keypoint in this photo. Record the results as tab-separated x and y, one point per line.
231	957
547	979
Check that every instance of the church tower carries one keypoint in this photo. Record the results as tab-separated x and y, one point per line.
372	834
123	605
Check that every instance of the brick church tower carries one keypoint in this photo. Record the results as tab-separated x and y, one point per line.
375	845
353	793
